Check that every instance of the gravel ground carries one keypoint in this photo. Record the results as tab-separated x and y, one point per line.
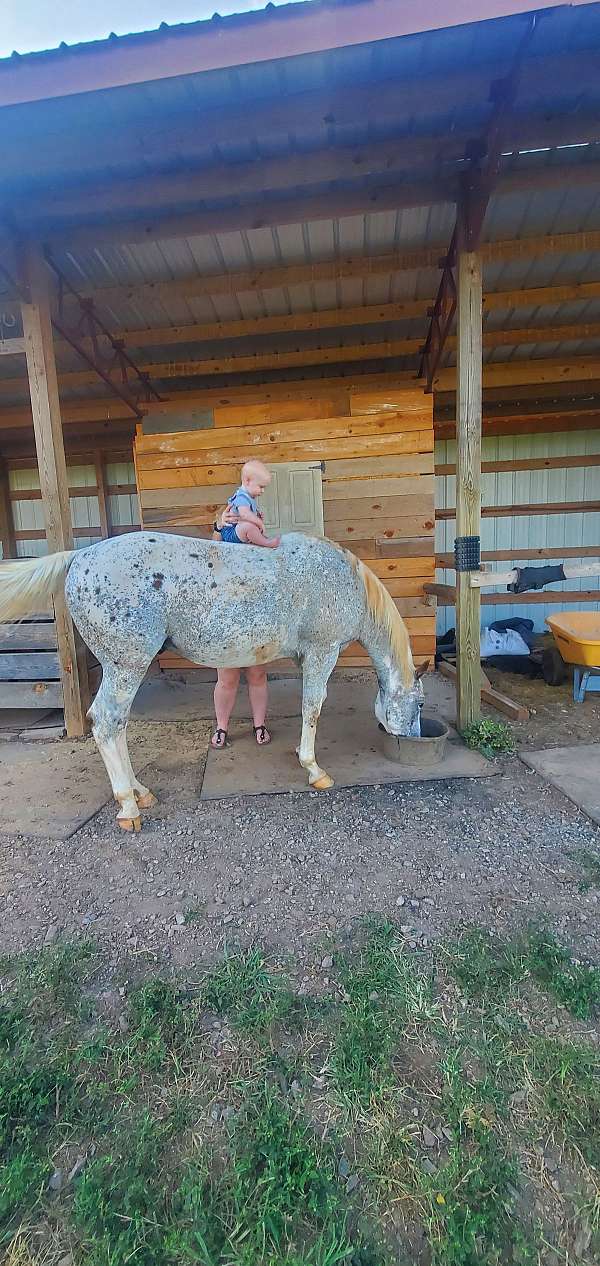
289	871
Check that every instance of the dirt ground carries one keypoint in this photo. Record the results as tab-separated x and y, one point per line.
289	871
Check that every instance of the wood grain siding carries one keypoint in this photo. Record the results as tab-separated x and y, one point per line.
378	483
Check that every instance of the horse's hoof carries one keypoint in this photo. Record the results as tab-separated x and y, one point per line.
322	784
147	801
130	824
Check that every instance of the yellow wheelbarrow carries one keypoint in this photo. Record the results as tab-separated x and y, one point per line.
577	637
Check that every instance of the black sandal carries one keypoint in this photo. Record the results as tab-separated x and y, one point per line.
222	740
262	730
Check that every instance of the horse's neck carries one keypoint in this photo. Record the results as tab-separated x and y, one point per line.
376	643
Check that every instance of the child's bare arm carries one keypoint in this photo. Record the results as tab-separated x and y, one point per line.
248	516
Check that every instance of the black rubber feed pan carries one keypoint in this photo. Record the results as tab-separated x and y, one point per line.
421	752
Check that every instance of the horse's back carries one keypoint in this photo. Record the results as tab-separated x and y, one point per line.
219	604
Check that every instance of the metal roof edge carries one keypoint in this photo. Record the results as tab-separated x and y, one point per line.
218	43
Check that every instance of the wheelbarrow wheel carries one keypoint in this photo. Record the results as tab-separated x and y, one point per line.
553	667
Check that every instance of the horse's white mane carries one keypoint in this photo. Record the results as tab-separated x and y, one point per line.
385	615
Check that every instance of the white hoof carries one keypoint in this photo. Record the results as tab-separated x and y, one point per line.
130	824
323	783
146	799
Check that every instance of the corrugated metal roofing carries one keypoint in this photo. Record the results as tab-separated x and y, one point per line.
124	132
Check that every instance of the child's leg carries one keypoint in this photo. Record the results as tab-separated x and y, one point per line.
250	534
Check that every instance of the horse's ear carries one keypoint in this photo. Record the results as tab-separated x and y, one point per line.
420	672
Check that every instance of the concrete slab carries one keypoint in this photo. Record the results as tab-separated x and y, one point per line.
51	789
573	770
348	747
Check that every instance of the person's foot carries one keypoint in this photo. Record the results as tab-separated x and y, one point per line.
261	735
219	739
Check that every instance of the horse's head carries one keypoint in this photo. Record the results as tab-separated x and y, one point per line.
398	707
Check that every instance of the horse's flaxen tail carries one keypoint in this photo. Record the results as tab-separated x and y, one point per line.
31	584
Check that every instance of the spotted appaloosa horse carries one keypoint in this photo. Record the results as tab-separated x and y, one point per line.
225	608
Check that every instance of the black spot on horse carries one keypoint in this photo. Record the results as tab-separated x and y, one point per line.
197	556
112	619
157	580
214	584
210	565
152	539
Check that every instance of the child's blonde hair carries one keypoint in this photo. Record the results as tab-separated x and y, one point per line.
254	467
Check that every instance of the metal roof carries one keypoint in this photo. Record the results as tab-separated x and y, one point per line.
335	101
237	40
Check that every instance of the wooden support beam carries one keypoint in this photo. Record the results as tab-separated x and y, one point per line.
368	314
270	212
384	350
399	154
529	508
101	492
541	370
347	267
350	267
7	527
47	425
331	318
540	296
530	422
529	552
468	479
489	579
96	415
265	212
12	346
572	462
257	362
565	598
487	694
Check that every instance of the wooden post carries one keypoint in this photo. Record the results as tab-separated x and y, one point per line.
468	480
7	527
49	443
101	494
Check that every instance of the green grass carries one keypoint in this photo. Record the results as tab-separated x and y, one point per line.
398	1122
590	865
487	967
384	997
491	738
244	989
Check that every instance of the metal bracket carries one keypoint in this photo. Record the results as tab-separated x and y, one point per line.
467	553
90	326
131	385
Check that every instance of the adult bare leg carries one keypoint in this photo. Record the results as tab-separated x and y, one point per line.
228	680
109	714
317	667
258	693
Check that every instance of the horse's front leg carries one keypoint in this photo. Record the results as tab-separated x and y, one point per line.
317	667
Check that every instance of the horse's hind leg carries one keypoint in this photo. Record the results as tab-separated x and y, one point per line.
109	714
145	798
317	667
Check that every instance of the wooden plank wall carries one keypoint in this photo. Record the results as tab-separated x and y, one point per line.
378	484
